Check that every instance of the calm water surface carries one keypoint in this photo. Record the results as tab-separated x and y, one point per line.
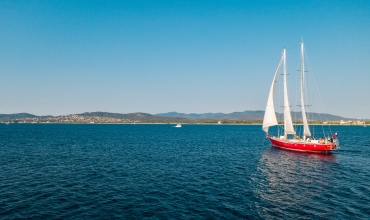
160	172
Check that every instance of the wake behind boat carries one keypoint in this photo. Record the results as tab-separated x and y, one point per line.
291	140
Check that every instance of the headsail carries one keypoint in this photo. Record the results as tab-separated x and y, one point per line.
306	129
270	117
288	124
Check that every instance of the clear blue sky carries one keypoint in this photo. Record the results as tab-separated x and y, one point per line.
63	57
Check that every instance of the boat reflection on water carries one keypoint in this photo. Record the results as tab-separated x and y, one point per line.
329	157
286	180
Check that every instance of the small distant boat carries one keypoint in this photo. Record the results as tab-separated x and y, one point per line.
306	143
178	126
363	122
7	123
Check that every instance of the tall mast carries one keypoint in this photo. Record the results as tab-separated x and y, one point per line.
306	129
288	124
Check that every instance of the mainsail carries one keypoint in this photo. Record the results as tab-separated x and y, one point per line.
288	124
306	129
270	117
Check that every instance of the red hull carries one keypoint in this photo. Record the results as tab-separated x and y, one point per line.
302	145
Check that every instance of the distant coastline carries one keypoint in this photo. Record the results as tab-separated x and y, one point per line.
236	118
215	124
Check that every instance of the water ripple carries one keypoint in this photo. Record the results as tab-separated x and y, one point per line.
158	172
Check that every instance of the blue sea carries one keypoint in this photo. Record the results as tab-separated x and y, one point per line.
68	171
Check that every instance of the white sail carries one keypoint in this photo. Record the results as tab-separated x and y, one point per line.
306	129
269	118
288	124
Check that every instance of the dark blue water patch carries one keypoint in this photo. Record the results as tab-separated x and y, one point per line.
160	172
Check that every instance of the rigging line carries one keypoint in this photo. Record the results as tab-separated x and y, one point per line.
297	92
312	98
279	96
316	98
307	99
293	46
314	92
325	115
298	128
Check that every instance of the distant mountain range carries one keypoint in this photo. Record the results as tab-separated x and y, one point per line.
175	117
20	116
138	116
141	117
253	116
246	115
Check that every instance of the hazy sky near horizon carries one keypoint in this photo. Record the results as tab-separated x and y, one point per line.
64	57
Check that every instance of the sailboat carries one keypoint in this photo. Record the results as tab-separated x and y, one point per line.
306	143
